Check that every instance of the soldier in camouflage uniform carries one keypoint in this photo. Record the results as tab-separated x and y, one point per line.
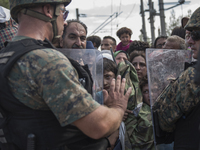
40	92
178	105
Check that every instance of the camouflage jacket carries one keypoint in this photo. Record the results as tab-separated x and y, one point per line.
177	99
139	130
44	79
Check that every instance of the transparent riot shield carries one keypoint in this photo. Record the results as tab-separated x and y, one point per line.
163	66
88	57
100	56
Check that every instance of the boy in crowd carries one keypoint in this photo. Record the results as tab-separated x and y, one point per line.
109	72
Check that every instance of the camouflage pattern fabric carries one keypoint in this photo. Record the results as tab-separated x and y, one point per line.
140	134
177	99
44	80
139	130
194	21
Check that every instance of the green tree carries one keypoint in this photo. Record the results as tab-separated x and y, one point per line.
142	39
5	3
175	21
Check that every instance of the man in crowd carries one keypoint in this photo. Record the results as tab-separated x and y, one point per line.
160	41
178	106
107	43
40	91
74	35
96	40
179	31
175	42
8	27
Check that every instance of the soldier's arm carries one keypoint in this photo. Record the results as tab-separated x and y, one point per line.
53	85
71	103
178	99
105	120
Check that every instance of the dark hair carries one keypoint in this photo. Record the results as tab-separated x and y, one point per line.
159	37
110	37
70	21
124	30
109	65
179	31
94	39
184	21
136	54
137	45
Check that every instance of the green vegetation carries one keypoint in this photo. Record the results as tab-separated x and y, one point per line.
175	21
5	3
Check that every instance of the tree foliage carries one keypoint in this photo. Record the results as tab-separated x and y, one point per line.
5	3
141	38
175	21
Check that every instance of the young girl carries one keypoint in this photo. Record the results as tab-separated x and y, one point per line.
124	34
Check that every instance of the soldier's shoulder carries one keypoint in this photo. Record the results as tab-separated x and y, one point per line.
47	52
45	55
190	70
187	75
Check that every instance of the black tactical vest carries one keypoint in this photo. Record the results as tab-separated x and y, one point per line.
186	134
18	122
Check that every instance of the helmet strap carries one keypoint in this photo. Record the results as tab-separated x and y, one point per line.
43	17
55	30
54	24
35	14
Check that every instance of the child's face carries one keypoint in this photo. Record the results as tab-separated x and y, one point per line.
125	38
145	93
107	78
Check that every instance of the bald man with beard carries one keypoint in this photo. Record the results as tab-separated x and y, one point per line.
74	35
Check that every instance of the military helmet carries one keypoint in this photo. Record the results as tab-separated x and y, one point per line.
17	5
194	21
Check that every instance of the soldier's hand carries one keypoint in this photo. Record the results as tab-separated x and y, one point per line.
116	96
126	114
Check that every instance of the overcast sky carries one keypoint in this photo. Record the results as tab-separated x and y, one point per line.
129	18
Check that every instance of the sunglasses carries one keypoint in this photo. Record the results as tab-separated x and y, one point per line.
65	13
195	35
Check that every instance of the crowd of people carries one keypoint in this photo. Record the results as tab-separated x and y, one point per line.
52	98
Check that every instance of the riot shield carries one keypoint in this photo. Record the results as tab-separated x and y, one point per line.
88	59
163	66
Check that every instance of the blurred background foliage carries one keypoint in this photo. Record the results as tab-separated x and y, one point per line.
5	3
